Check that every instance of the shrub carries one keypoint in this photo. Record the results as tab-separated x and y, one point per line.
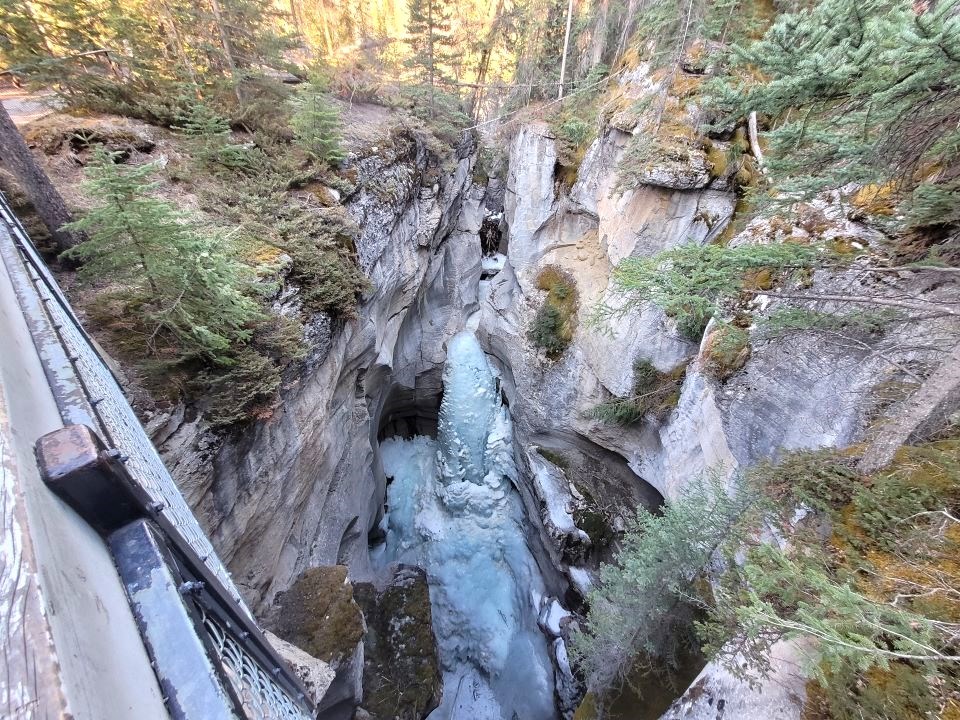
316	124
245	387
653	392
574	126
871	573
553	325
546	331
319	241
444	119
556	458
640	611
209	136
783	321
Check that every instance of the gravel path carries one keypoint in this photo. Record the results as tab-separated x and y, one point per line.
25	107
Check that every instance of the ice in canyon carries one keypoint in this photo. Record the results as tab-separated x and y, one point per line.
454	511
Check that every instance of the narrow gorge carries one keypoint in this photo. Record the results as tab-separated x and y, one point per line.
346	472
630	396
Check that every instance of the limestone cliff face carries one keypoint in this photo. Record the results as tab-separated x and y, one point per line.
794	392
303	488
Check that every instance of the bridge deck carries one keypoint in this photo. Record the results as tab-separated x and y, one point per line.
114	601
71	644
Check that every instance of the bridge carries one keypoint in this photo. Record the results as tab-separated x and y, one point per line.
114	603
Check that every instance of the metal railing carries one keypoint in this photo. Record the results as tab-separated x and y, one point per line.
103	464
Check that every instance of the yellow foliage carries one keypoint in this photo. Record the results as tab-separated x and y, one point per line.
685	85
843	246
718	158
758	279
630	58
562	295
876	199
262	254
951	710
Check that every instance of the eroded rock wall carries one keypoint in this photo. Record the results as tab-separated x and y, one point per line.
303	488
796	391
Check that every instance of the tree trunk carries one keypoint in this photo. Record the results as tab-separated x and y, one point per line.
625	32
174	35
227	47
297	17
224	36
325	22
484	64
566	45
598	43
909	415
754	139
49	206
430	48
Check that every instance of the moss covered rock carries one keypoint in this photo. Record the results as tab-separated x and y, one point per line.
318	614
401	675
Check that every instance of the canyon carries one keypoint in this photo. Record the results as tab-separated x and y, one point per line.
315	484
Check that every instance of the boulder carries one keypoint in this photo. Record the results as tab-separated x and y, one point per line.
401	675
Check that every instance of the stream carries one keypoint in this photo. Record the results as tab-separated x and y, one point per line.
453	510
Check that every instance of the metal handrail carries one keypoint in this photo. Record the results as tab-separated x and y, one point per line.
122	466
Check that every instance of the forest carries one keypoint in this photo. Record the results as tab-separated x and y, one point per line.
230	149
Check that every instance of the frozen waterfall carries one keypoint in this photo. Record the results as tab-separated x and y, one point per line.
454	511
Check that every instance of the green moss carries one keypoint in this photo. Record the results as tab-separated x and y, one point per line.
318	614
558	459
718	159
727	350
401	677
595	525
555	321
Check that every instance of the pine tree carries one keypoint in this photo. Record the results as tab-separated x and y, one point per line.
640	613
428	30
181	278
209	136
859	92
691	282
109	56
316	123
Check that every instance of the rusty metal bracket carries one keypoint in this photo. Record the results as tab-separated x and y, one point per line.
81	471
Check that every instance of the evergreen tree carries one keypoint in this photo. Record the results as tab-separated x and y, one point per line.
109	56
641	611
879	595
428	30
181	279
209	136
316	123
690	282
860	91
